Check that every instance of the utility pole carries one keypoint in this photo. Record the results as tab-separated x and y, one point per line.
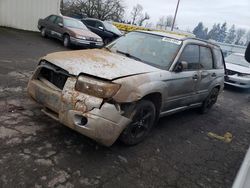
176	10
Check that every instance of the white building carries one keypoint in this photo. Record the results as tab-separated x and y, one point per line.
24	14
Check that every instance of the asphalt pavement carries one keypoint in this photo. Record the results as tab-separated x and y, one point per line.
36	151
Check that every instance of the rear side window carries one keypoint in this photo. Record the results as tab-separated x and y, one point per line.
98	24
52	18
58	20
219	63
90	22
191	56
206	58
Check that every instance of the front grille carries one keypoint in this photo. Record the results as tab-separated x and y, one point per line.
230	72
54	75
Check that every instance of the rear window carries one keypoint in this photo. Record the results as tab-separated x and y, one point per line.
51	18
206	58
218	58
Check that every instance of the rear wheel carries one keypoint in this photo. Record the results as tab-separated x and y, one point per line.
43	32
143	119
209	101
66	41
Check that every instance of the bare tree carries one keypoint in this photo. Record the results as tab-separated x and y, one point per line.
161	22
143	18
169	21
136	13
165	21
100	9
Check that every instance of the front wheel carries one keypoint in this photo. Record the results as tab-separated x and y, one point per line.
209	101
143	119
106	41
66	41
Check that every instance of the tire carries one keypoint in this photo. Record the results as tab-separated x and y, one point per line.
106	41
143	120
209	101
43	32
66	41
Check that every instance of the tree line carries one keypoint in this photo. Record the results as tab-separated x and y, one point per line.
115	10
220	32
104	10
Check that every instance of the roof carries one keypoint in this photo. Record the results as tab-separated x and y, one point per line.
177	36
165	34
94	19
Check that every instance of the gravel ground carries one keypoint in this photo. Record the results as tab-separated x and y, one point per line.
36	151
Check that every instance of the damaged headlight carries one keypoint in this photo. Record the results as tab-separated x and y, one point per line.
244	75
96	87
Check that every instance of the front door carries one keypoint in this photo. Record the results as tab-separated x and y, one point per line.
182	86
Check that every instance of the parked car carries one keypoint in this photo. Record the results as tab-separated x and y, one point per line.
122	89
238	71
243	177
104	29
69	30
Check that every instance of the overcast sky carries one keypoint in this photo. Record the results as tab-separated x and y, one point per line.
192	11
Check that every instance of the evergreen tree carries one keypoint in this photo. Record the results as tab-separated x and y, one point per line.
223	32
214	32
200	32
231	35
239	34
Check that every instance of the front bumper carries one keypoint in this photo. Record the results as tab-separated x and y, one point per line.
237	81
104	122
86	43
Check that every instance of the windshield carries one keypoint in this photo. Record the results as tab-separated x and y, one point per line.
112	28
154	50
237	60
74	24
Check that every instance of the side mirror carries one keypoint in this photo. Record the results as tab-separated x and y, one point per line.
100	27
60	24
181	66
247	54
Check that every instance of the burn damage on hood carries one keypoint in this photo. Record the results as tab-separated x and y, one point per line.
99	63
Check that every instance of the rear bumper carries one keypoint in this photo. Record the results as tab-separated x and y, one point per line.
237	81
104	123
85	43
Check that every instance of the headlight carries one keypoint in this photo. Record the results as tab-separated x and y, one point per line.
96	87
244	75
99	40
80	37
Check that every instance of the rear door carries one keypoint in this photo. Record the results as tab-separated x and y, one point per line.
183	85
50	24
207	71
57	29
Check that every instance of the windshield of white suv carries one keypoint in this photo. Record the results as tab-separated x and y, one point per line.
237	60
155	50
112	28
74	24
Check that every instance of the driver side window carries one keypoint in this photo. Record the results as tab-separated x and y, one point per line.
98	24
191	55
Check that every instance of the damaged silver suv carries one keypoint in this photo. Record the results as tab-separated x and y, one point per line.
120	91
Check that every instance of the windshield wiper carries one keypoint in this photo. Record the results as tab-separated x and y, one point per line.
129	55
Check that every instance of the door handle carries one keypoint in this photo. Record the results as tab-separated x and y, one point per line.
195	77
214	74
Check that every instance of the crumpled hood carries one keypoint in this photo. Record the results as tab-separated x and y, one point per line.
238	68
99	63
